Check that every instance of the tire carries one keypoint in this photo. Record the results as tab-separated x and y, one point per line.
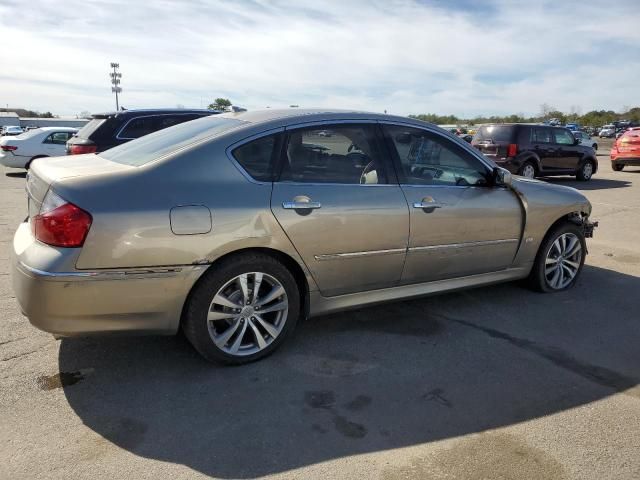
585	172
617	167
28	165
551	259
528	170
220	291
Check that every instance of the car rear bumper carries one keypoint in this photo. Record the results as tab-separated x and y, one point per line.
80	302
633	161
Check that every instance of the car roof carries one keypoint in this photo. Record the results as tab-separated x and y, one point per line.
59	129
299	115
157	111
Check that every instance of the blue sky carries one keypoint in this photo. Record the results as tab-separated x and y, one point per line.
405	56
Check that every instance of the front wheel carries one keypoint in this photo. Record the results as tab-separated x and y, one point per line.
559	260
242	309
586	171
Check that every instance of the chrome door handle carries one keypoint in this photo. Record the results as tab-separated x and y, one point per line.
425	205
301	205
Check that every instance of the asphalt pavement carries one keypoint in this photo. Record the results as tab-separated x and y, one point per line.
495	382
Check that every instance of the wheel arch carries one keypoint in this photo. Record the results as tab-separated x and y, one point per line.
289	262
530	157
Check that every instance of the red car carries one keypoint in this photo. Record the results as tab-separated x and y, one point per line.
626	149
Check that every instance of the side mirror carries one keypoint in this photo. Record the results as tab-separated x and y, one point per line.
501	176
576	141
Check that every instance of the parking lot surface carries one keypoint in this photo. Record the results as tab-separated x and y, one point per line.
496	382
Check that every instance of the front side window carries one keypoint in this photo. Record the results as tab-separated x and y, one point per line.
256	157
563	137
333	154
58	138
430	159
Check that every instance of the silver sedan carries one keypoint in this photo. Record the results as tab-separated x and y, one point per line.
235	227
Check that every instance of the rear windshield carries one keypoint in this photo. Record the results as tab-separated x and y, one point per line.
29	133
89	128
157	144
496	133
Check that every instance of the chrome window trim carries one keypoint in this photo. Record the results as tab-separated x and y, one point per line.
368	253
147	116
463	245
256	136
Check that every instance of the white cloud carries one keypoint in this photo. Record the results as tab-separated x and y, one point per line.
403	56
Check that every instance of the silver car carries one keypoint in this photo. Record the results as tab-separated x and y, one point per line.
586	139
234	227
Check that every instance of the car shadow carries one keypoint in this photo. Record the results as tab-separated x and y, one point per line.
593	184
16	174
363	381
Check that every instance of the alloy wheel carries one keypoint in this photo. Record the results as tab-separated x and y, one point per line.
563	261
587	170
247	314
528	171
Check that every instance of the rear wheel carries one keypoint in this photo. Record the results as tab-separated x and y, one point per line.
617	167
586	171
28	165
527	170
559	260
242	310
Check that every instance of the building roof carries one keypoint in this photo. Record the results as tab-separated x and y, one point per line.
9	114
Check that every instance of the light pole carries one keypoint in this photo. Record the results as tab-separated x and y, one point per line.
115	81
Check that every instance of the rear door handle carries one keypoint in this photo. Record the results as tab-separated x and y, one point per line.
301	205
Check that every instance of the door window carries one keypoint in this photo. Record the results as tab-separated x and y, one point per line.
541	135
345	154
141	126
563	137
58	138
430	159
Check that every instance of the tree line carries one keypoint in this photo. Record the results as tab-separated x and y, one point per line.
593	118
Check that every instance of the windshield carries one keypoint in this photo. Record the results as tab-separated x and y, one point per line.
495	133
155	145
90	127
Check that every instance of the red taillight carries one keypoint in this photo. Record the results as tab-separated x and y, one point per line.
60	223
8	148
80	149
512	150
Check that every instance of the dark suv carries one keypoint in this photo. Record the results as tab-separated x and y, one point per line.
536	150
106	130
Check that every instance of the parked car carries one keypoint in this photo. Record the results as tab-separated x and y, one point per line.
234	227
21	150
574	127
107	130
608	131
11	130
626	150
536	150
585	139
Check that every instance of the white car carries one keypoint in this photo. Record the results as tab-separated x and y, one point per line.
21	150
585	139
12	130
608	131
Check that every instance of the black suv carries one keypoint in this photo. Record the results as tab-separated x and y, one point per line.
106	130
536	150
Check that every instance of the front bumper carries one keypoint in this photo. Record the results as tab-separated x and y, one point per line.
79	302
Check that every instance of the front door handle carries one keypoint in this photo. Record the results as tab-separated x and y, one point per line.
301	205
427	205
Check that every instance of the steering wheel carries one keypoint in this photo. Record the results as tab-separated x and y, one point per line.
367	169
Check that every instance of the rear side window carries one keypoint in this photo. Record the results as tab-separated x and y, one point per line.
495	133
256	157
158	144
141	126
58	138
